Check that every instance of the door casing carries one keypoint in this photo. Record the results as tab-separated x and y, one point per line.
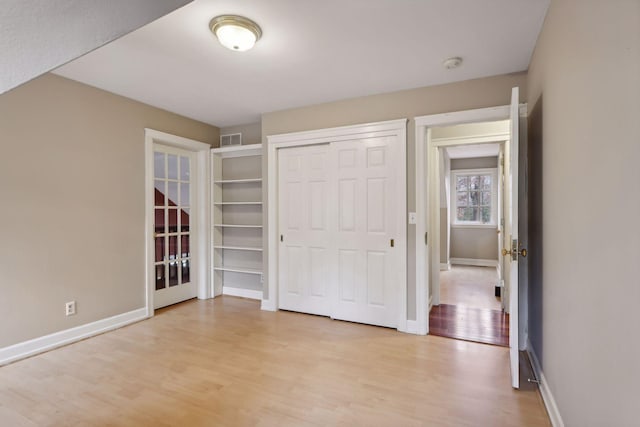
427	198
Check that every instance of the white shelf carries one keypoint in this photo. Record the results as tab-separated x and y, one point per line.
237	226
239	150
238	203
239	248
238	181
239	270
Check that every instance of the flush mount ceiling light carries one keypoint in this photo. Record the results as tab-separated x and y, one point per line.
235	32
451	63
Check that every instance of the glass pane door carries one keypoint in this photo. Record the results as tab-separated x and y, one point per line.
172	223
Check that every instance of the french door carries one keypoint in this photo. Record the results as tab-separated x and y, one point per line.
173	197
338	225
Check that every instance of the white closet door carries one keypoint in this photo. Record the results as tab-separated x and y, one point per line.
304	251
367	267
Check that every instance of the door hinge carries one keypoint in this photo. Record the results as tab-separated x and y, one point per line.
282	238
426	237
392	243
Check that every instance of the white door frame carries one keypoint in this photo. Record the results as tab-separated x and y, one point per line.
201	228
428	197
396	128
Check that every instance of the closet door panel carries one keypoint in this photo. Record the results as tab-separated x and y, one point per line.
304	251
368	205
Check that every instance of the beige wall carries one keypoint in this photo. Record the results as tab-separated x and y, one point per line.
251	132
479	93
72	196
470	129
474	243
585	310
474	163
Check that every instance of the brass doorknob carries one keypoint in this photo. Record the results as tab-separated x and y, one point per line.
522	252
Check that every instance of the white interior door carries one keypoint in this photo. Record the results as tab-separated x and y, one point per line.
511	236
340	212
367	232
305	257
173	221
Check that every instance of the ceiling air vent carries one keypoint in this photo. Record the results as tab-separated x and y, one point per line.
231	139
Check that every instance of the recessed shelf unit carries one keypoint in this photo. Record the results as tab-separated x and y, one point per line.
237	220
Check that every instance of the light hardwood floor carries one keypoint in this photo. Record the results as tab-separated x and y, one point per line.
470	286
224	362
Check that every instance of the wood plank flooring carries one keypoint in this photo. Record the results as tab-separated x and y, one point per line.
471	324
224	362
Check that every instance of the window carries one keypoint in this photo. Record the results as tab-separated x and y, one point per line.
474	197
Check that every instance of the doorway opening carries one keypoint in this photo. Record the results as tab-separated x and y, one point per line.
427	230
470	204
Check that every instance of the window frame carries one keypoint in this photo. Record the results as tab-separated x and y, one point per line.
455	223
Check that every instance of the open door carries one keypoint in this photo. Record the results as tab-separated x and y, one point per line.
511	250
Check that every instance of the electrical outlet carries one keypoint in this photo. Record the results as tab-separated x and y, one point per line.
70	308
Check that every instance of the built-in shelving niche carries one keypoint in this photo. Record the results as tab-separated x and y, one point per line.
237	220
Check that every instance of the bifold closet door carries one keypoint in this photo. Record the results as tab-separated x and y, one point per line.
304	251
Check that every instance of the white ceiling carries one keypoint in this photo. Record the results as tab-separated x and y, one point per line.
472	151
311	52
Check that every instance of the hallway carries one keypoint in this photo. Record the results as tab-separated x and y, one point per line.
469	309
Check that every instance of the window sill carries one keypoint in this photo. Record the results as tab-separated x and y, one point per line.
494	226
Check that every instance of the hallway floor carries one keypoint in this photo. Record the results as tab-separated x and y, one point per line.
469	309
470	286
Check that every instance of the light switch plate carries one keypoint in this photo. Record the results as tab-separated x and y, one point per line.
412	218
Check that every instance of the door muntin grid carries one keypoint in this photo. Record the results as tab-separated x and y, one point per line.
172	220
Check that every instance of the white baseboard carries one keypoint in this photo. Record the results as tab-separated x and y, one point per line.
445	266
268	305
547	397
412	327
244	293
58	339
475	262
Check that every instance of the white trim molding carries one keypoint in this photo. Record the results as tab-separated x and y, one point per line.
322	136
39	345
412	327
268	305
243	293
445	266
474	261
545	391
